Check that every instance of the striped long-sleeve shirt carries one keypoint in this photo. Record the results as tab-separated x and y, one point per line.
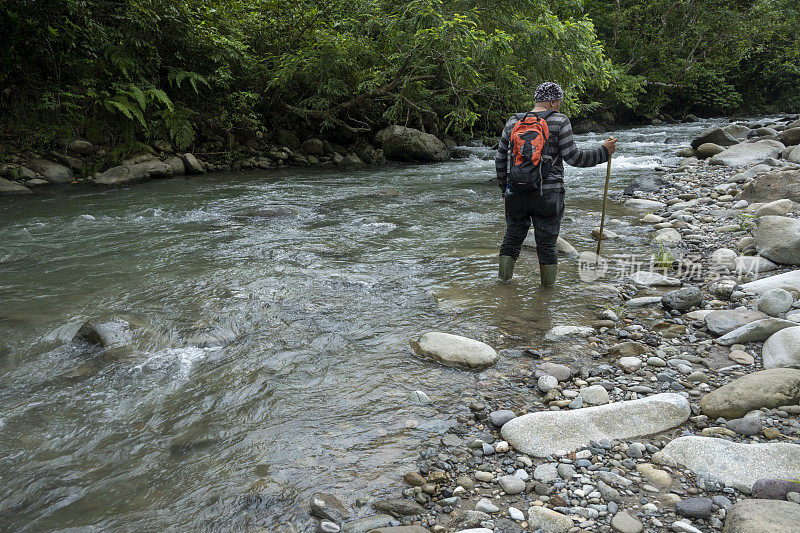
561	147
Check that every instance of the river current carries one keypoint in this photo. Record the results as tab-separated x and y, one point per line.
278	306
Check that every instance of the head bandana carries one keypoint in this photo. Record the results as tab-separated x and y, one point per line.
548	92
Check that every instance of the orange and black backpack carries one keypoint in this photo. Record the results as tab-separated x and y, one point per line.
528	166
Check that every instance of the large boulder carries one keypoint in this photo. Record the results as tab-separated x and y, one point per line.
716	136
778	239
734	462
409	144
746	154
52	171
790	137
9	188
456	351
81	146
726	320
771	186
175	163
543	433
782	349
756	331
737	131
792	154
128	174
192	165
786	280
762	516
647	184
766	388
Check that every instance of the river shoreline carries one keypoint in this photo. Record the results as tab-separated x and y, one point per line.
655	339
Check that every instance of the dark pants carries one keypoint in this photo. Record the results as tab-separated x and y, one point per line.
545	211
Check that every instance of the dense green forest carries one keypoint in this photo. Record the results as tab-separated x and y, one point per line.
181	70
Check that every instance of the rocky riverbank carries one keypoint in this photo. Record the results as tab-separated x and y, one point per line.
81	162
684	416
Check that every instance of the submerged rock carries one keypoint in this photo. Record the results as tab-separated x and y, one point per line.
328	506
734	462
545	432
764	389
762	516
108	333
454	350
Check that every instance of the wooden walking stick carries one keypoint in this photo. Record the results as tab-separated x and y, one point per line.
603	216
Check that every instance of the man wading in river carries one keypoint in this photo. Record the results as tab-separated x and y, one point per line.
532	179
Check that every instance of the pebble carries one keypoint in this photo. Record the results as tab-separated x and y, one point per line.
486	477
684	527
695	508
547	383
625	523
545	473
498	418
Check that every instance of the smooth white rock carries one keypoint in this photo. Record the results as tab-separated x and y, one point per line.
454	350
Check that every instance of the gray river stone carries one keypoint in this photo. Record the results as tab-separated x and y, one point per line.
714	135
324	505
782	349
727	320
754	264
682	299
762	516
625	523
787	279
747	154
399	507
771	186
560	332
545	432
766	388
511	484
757	331
773	488
734	462
454	350
775	302
498	418
548	520
778	239
52	171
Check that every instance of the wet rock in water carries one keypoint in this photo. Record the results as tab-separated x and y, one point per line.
647	183
625	523
782	349
414	479
643	301
682	299
418	397
747	154
764	389
498	418
548	520
545	432
10	188
265	212
653	279
328	506
106	333
714	135
695	508
558	371
562	246
398	507
787	279
644	205
762	516
456	351
773	488
409	144
367	524
778	239
560	332
757	331
726	320
734	462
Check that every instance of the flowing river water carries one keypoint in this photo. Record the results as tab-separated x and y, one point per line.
278	307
